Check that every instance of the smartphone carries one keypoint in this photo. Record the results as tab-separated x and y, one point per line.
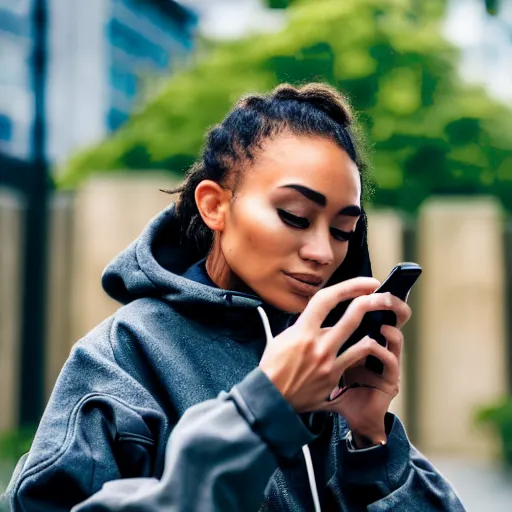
399	283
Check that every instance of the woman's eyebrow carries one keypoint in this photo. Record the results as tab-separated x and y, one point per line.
319	199
309	193
351	211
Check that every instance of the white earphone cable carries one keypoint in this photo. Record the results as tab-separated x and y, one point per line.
305	448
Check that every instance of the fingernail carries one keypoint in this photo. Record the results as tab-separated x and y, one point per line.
334	393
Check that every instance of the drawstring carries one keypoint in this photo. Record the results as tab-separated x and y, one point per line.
311	477
266	324
305	448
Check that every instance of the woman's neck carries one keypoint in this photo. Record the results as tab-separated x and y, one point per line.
220	272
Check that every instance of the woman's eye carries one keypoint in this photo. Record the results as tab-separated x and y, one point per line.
342	236
293	220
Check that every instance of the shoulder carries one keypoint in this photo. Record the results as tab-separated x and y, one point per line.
115	345
144	307
138	327
145	332
146	317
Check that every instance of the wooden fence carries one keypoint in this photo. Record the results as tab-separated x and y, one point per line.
457	355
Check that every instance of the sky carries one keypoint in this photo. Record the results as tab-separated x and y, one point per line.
228	19
486	44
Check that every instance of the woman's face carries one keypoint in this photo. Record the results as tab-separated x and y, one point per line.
287	229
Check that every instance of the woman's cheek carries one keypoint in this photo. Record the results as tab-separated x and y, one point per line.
267	234
340	254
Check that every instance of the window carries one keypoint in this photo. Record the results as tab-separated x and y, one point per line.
116	118
17	6
123	81
13	23
134	44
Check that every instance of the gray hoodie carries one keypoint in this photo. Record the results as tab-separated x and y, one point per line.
163	407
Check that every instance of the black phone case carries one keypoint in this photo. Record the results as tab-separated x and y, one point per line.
399	283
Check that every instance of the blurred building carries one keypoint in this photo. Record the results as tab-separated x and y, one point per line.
15	90
102	54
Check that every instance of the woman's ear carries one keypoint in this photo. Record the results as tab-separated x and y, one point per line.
212	202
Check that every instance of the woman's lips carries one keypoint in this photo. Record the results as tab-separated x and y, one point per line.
303	284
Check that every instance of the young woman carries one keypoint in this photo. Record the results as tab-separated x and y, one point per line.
215	386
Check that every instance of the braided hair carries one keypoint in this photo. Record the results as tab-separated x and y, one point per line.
314	109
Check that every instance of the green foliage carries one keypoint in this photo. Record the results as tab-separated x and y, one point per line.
492	6
279	4
431	134
14	444
499	417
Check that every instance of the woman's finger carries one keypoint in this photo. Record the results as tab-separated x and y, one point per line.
353	317
395	339
360	351
324	301
404	315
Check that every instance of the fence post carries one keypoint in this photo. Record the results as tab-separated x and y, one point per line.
461	353
410	332
12	211
508	301
59	310
385	241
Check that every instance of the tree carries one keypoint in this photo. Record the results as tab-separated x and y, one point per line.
492	6
279	4
431	133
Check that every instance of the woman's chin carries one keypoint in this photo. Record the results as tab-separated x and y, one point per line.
290	303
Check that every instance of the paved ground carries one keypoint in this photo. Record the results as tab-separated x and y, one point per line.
482	488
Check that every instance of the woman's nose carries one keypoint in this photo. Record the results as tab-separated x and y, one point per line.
318	248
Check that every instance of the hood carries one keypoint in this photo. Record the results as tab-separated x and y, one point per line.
154	264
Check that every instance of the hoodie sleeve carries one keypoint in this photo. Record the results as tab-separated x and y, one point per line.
97	446
220	456
394	477
100	424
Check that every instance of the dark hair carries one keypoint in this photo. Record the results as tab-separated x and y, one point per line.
314	109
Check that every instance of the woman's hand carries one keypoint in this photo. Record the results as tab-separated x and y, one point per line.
364	396
302	361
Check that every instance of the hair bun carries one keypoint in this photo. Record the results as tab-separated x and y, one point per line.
286	92
322	97
252	101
